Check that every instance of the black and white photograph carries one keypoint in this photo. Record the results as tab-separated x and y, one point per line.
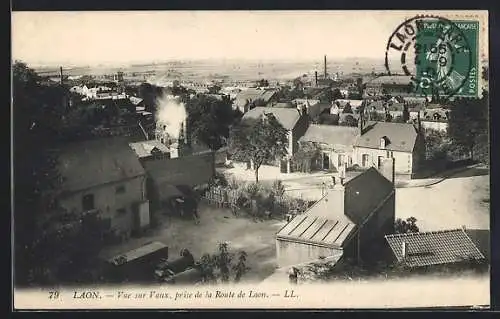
250	159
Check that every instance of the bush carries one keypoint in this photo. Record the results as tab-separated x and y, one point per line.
406	226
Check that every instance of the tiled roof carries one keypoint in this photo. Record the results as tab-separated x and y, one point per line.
252	95
330	134
316	230
287	117
401	136
144	148
434	248
95	162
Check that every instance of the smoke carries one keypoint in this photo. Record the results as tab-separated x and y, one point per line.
172	114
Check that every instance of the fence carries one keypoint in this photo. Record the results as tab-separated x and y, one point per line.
284	207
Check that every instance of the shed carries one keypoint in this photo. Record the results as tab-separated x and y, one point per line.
308	238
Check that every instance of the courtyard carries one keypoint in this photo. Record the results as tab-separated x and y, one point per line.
216	225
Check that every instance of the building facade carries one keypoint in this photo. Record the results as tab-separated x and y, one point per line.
105	175
380	140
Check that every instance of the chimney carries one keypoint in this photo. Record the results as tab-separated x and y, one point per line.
61	74
387	168
403	249
325	67
316	77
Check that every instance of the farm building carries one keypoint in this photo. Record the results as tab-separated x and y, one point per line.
351	219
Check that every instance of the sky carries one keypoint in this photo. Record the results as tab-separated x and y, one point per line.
89	38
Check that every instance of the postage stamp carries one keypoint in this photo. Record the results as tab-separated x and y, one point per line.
440	55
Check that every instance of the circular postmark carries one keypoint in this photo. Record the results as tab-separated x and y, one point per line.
434	52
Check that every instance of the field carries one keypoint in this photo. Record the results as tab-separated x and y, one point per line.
235	70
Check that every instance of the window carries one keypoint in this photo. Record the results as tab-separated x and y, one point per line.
88	202
120	189
389	154
121	211
380	159
364	160
341	160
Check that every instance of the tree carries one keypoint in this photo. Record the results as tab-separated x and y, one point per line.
306	156
468	127
336	94
406	114
347	109
218	267
214	89
259	141
263	83
349	120
328	119
37	115
209	120
436	145
406	226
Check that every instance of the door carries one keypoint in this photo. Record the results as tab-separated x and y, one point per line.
364	160
326	161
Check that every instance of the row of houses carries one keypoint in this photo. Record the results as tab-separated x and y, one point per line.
364	146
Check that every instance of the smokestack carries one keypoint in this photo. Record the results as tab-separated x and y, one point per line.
316	77
61	74
325	67
403	250
387	169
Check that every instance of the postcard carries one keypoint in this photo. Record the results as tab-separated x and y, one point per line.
250	160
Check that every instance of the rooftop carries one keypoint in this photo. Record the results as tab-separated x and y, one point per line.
288	117
331	134
144	148
434	248
95	162
139	252
317	230
400	136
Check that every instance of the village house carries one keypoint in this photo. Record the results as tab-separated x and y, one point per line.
433	248
105	175
251	97
401	141
435	116
335	143
294	120
349	222
395	85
